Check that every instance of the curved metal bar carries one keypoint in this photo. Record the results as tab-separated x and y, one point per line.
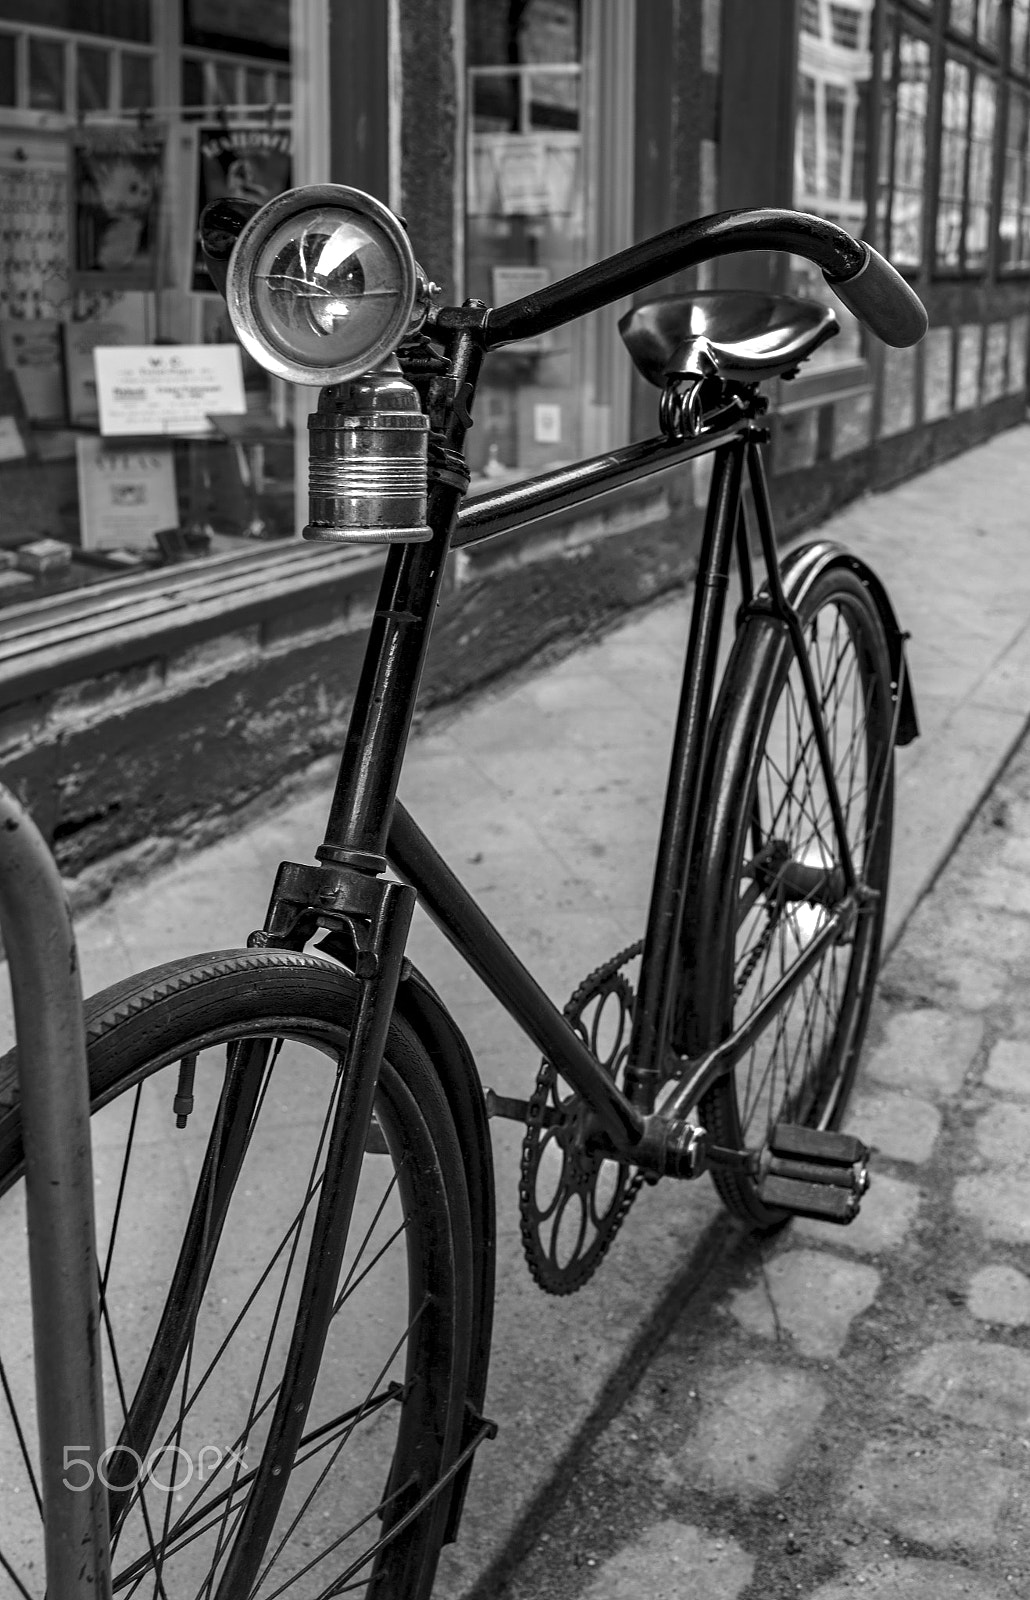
54	1088
687	245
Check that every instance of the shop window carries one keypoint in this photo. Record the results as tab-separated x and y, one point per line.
101	189
529	223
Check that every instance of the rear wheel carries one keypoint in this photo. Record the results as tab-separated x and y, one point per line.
202	1241
768	874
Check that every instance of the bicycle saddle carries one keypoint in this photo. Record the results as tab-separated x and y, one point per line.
739	334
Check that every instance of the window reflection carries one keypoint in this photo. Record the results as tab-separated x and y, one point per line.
834	67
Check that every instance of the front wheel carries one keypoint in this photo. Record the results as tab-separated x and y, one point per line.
768	876
202	1241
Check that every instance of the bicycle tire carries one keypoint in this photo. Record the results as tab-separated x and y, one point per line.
387	1410
765	815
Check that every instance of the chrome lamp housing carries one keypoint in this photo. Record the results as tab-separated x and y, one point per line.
322	287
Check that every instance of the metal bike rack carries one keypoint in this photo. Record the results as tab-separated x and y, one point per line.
48	1019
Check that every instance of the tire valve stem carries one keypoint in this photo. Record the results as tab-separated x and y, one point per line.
182	1105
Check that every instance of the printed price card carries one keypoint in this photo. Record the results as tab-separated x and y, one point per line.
166	389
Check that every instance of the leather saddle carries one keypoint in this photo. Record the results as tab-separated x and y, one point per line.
740	335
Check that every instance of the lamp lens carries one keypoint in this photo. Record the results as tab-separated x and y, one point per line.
326	286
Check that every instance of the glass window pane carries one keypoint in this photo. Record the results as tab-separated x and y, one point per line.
829	147
46	75
92	78
962	15
222	84
238	25
847	27
1012	237
527	225
1020	27
905	243
988	23
137	82
552	100
256	87
954	141
888	108
8	70
978	214
283	89
113	19
806	181
192	83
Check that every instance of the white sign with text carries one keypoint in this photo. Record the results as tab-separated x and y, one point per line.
148	389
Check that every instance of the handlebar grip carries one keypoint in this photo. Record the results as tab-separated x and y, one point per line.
880	297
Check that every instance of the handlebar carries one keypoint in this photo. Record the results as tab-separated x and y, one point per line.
858	275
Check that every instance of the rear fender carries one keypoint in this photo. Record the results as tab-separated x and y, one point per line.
804	565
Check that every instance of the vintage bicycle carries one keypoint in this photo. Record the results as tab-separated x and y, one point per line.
295	1203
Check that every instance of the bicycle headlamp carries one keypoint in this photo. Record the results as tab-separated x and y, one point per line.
321	285
321	288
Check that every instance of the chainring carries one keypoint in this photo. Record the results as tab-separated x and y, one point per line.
572	1202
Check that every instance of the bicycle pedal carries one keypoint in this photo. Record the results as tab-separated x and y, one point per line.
812	1173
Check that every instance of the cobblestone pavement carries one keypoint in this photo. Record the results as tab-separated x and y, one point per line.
846	1412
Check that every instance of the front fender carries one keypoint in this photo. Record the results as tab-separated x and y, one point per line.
423	1010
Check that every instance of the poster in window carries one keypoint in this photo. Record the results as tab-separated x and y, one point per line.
246	163
115	197
125	495
31	350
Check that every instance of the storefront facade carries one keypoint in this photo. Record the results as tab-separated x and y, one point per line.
168	647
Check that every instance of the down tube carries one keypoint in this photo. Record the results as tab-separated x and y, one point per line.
478	942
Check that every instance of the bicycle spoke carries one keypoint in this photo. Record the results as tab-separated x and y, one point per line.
402	1341
20	1435
15	1578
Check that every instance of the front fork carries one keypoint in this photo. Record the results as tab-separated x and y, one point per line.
376	915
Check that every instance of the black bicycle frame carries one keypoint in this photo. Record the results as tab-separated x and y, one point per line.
366	824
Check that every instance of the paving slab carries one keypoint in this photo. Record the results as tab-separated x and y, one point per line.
1000	1295
669	1561
913	1580
812	1296
753	1426
931	1497
984	1384
1008	1068
572	759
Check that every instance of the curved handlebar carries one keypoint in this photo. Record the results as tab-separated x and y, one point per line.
859	276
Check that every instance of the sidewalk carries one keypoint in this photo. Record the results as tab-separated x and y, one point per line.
574	758
842	1412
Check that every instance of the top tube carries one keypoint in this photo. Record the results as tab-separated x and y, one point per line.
687	245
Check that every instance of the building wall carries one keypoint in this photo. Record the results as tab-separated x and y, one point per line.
153	739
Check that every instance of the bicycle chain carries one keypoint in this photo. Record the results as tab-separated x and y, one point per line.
580	1170
757	953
